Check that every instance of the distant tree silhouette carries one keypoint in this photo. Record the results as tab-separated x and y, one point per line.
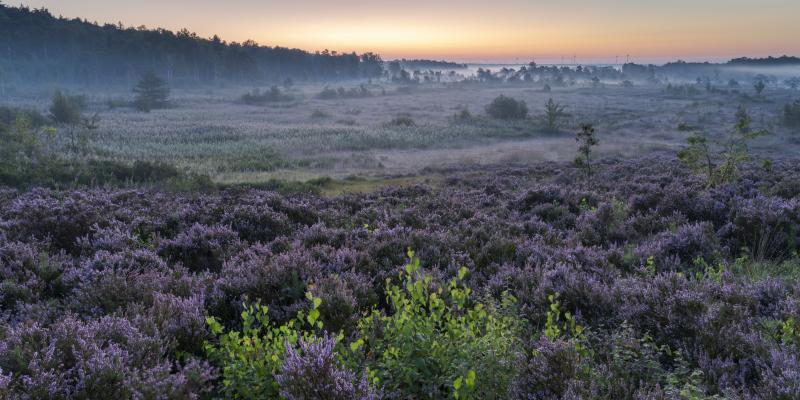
759	86
152	93
37	47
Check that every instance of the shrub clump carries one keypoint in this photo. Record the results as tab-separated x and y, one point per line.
439	342
258	98
791	114
507	108
402	120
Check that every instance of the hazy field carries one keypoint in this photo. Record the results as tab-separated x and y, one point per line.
209	132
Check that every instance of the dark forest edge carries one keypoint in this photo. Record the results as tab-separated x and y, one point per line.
51	50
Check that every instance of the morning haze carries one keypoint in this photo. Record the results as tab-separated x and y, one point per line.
352	200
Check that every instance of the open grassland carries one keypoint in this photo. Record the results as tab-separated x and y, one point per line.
403	130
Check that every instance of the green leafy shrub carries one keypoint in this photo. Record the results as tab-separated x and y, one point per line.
251	358
790	333
438	342
504	107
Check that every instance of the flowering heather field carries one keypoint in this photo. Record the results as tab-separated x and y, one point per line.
524	283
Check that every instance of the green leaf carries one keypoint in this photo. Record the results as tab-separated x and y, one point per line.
470	379
356	345
312	316
457	383
317	302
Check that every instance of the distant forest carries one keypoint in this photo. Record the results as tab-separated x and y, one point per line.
39	48
765	62
430	64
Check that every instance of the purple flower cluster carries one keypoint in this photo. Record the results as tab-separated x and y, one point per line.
107	291
313	372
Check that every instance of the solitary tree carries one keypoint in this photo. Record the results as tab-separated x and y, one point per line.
553	112
66	109
723	165
759	86
151	93
586	140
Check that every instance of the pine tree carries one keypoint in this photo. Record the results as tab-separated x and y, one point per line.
152	93
586	140
553	112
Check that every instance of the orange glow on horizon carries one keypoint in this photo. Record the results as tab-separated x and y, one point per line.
474	30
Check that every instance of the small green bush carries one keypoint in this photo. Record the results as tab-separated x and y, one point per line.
504	107
250	358
439	342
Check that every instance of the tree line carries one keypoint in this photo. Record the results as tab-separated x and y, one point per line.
37	47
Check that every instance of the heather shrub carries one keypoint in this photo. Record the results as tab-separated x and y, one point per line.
29	274
765	228
339	309
201	247
312	370
677	250
603	225
181	320
256	223
112	238
60	221
277	281
780	376
439	342
682	291
101	358
507	108
552	370
109	282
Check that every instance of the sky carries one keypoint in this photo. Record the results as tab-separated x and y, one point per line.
597	31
